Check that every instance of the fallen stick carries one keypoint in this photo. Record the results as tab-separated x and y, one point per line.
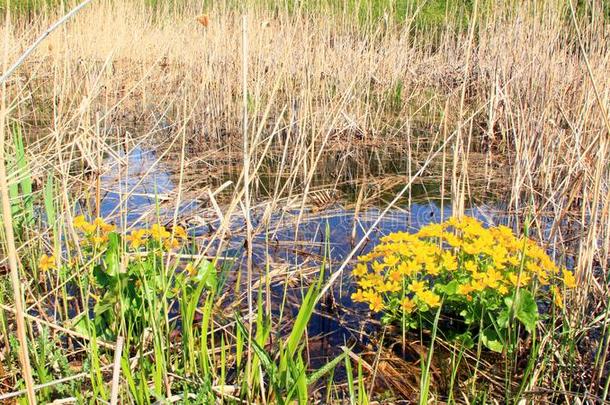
41	38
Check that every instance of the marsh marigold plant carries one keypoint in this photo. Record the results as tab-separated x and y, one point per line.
128	273
487	276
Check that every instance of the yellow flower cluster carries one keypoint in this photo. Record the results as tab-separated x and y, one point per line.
96	232
170	239
406	268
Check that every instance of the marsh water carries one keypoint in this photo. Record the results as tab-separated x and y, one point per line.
292	241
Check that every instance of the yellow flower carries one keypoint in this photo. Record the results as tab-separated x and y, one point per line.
477	285
471	266
478	275
408	305
514	260
100	224
360	270
367	282
171	243
505	231
533	267
137	238
533	250
108	228
391	261
395	275
450	261
431	231
452	240
369	295
557	298
366	258
543	278
390	287
421	255
431	267
492	278
499	255
429	298
503	290
464	289
371	281
408	268
179	232
358	296
191	270
159	232
470	249
418	286
378	267
376	303
99	240
88	228
521	280
79	222
549	265
568	279
404	250
454	222
46	263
